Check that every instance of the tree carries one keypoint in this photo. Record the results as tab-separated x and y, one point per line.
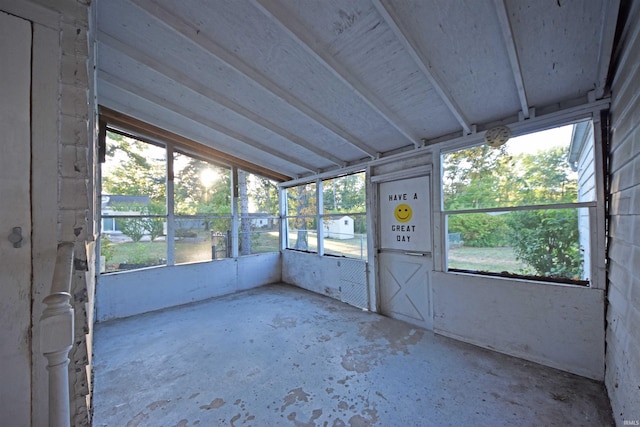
302	200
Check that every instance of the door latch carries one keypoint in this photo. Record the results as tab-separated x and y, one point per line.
16	237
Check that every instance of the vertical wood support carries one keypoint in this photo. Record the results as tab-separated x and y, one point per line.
170	238
56	337
319	218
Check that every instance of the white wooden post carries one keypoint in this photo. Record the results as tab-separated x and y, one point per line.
56	336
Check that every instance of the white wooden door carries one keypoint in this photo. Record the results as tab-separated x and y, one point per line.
15	212
405	261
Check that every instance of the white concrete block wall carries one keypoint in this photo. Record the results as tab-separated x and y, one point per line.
135	292
622	376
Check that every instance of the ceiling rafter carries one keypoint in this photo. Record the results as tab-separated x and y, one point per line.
188	31
294	29
423	63
178	109
609	17
510	44
213	95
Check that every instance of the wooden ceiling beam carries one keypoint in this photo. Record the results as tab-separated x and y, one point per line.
423	64
297	32
185	112
187	30
215	96
512	52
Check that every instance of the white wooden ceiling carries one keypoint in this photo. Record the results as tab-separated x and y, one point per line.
303	87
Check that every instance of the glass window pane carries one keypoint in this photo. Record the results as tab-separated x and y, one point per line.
346	236
258	208
200	188
538	168
538	243
345	194
301	200
260	236
262	195
120	253
202	239
133	177
302	234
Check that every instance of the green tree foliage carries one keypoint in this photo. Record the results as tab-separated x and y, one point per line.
480	230
347	195
547	240
201	188
265	194
134	169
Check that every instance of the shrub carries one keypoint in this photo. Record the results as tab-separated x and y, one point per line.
548	240
480	230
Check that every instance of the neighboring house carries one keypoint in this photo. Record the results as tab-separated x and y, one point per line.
260	220
339	228
581	159
119	205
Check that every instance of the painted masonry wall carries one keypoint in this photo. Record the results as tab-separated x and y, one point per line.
61	205
623	314
135	292
343	279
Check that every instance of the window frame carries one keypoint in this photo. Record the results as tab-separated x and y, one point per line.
595	208
319	215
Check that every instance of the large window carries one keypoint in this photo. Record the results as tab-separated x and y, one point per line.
133	204
145	225
334	224
302	218
259	220
521	209
344	216
202	207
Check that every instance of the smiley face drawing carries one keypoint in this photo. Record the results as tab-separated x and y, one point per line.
403	212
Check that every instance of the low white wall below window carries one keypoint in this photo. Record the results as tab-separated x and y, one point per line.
555	325
344	279
134	292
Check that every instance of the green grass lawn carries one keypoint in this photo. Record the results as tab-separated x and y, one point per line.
497	259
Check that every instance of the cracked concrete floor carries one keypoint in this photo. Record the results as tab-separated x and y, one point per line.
279	355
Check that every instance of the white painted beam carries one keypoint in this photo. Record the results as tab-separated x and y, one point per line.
177	109
178	76
510	45
296	31
423	63
187	30
609	18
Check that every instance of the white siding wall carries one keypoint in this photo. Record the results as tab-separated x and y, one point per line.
586	192
623	314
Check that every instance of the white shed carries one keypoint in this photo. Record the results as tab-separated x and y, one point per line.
339	228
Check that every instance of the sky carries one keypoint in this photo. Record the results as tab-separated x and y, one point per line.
533	142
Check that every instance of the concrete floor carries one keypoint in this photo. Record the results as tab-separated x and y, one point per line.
278	355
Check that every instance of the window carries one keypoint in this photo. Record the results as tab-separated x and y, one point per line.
202	200
340	220
136	222
133	204
301	218
344	216
522	209
259	220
